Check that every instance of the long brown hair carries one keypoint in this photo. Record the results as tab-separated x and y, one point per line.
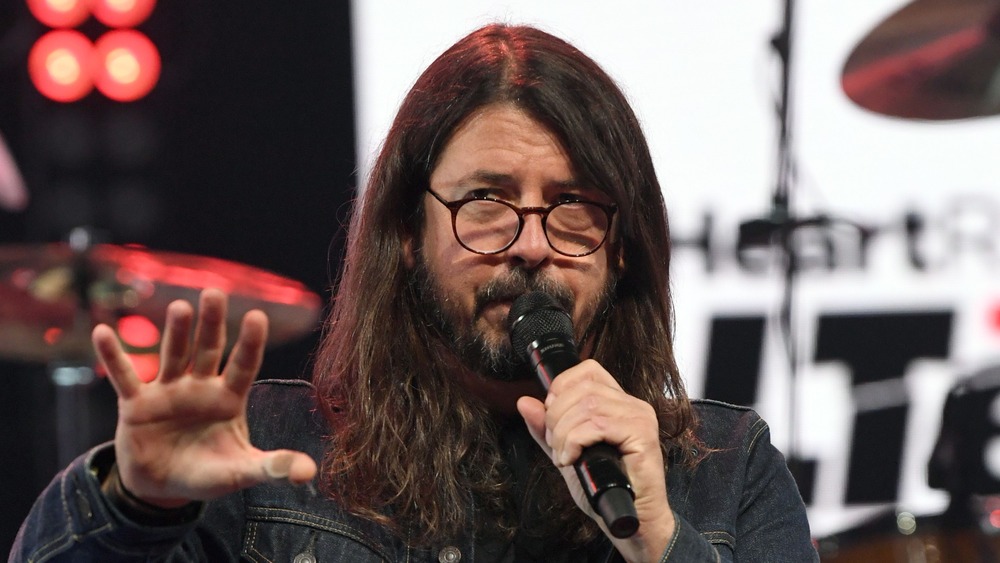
408	448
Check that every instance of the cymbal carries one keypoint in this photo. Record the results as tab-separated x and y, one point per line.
51	296
932	60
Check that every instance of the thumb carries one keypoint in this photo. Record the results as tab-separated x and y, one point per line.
288	465
533	412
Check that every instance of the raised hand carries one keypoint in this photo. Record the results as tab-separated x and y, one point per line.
585	406
183	436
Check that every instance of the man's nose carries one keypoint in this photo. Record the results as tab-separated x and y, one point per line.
531	249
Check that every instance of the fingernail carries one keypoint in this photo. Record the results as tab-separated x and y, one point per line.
278	467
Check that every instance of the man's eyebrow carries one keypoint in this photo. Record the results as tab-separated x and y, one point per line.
490	177
501	179
567	184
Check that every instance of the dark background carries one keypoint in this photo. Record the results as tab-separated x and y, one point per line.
243	151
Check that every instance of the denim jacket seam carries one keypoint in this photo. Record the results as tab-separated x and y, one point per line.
108	526
719	536
313	521
673	540
250	548
274	514
305	516
756	436
66	537
726	538
51	548
69	482
64	500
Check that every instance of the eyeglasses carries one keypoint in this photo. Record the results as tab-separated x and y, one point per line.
489	226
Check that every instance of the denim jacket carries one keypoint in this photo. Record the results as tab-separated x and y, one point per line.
739	504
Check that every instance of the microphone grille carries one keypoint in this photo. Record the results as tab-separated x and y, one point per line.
533	315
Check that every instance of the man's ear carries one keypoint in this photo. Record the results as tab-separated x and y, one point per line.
619	257
407	252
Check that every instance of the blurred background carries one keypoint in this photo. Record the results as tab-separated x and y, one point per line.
830	172
243	151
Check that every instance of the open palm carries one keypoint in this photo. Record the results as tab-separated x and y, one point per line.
183	436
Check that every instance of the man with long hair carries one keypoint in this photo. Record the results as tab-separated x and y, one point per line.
514	165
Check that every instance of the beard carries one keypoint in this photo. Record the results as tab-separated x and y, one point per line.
491	355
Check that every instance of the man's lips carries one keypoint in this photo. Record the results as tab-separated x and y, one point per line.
493	308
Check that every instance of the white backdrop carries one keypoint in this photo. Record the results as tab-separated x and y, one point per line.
704	80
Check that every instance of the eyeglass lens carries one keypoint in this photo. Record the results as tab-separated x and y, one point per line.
572	228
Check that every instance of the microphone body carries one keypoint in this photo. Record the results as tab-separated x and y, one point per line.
542	332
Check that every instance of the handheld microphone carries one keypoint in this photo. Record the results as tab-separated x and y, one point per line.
542	334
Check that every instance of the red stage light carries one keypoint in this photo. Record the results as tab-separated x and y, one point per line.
146	366
60	13
138	331
122	13
128	65
52	335
61	65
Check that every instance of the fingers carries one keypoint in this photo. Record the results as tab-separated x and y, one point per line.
533	412
265	467
202	355
206	474
176	348
248	353
115	361
288	465
585	406
210	333
587	370
590	407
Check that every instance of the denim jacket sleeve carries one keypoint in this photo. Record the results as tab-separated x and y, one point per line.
73	521
740	503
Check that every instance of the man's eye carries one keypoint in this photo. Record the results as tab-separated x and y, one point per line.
479	193
569	196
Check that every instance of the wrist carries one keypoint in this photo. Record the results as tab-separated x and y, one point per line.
143	512
650	542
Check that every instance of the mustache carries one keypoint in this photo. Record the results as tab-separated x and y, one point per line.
515	283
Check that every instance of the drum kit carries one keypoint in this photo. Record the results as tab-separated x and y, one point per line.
52	295
968	531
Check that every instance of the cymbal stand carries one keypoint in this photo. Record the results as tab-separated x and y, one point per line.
72	380
73	377
782	220
776	229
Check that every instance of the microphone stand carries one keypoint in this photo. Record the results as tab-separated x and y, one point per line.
782	214
776	229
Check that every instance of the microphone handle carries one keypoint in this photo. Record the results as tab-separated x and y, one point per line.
599	467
